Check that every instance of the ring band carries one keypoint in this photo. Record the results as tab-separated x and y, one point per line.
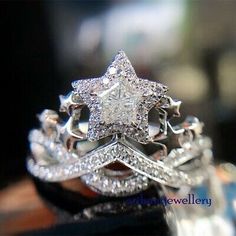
109	151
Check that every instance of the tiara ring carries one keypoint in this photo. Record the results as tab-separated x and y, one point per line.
119	151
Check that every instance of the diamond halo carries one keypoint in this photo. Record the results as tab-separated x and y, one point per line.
119	101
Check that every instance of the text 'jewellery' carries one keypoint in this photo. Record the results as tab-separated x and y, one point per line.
119	151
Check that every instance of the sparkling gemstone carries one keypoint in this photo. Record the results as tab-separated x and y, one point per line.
119	103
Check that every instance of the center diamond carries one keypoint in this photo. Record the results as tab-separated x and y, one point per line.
119	103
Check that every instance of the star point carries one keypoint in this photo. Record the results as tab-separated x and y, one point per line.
171	106
69	101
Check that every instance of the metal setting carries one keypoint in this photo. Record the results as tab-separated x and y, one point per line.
111	152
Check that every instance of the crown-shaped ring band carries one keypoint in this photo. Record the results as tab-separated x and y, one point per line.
119	151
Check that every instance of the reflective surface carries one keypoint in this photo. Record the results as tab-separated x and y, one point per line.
189	46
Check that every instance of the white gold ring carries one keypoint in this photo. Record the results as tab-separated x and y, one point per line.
119	152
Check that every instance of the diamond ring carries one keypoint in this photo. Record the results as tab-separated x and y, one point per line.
119	151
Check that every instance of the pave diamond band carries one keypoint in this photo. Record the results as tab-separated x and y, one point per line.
119	152
145	169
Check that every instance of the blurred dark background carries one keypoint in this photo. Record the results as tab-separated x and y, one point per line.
188	45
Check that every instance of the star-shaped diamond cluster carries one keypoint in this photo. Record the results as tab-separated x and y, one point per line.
119	101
